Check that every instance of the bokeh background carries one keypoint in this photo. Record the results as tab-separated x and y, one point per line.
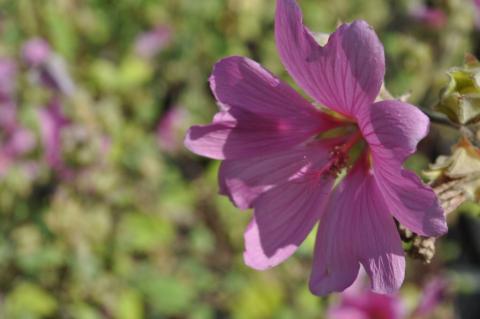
104	213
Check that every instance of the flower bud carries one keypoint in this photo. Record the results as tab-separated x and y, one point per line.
460	100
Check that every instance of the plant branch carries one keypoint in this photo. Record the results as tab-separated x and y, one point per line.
439	118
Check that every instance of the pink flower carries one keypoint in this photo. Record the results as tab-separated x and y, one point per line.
477	13
52	122
46	67
36	52
168	128
282	156
14	145
15	140
434	292
8	72
358	303
150	43
368	305
432	17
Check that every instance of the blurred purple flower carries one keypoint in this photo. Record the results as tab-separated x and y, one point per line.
55	76
8	112
150	43
434	293
8	72
168	137
367	305
8	115
21	142
36	52
14	143
433	17
477	13
15	140
47	68
358	302
105	144
52	121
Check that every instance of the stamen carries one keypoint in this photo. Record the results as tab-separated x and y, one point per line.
339	158
338	161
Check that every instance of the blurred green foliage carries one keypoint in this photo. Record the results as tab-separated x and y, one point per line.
140	232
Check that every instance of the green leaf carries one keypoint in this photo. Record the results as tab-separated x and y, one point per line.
28	300
168	295
130	305
142	232
261	298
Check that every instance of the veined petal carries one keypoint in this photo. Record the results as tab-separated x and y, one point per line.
392	130
356	228
284	216
259	114
345	75
239	82
245	179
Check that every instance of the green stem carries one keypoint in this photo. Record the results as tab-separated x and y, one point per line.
439	118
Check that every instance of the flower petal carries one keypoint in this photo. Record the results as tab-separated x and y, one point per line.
345	75
245	179
347	312
392	130
284	216
434	293
356	228
259	114
368	305
239	82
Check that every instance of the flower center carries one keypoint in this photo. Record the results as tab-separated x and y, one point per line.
340	156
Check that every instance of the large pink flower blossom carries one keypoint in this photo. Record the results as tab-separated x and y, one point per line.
282	156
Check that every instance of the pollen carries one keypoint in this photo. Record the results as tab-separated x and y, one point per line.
338	161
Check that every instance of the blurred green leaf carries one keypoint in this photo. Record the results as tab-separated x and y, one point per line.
144	232
28	300
261	298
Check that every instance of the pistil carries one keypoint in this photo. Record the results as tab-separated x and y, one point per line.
339	158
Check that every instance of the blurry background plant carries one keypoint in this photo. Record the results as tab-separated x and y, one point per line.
103	214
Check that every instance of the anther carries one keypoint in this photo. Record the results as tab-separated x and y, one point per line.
338	161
